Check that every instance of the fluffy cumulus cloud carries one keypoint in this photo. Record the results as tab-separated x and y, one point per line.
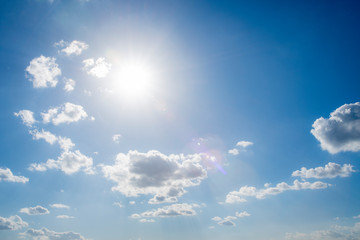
66	113
59	205
8	176
74	48
341	131
69	85
228	221
46	234
69	162
43	72
247	191
38	210
155	173
26	116
12	223
65	143
174	210
99	68
334	233
240	146
331	170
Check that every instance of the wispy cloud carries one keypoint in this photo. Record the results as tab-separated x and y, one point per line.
38	210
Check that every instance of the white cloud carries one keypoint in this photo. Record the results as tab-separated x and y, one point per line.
154	173
8	176
248	191
341	131
132	202
68	162
158	199
12	223
59	205
334	233
99	68
46	234
242	214
66	113
64	217
43	72
75	47
331	170
173	210
47	136
144	220
226	221
233	151
26	116
69	85
116	138
38	210
231	198
356	217
65	143
119	204
244	144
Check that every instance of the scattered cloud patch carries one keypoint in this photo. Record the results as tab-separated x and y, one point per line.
59	205
64	217
69	162
341	131
356	217
226	221
233	151
231	198
331	170
99	68
12	223
69	85
26	116
65	143
66	113
334	233
8	176
242	214
74	48
47	234
38	210
144	220
244	144
43	72
116	138
248	191
119	204
154	173
174	210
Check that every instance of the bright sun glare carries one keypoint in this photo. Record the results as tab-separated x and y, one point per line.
135	80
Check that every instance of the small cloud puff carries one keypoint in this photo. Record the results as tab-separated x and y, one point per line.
75	47
67	113
45	233
43	72
99	68
26	116
38	210
8	176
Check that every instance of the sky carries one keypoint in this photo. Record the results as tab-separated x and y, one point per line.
144	120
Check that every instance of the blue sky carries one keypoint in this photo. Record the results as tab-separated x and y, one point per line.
179	120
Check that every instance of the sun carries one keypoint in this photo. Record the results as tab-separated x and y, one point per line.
135	80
